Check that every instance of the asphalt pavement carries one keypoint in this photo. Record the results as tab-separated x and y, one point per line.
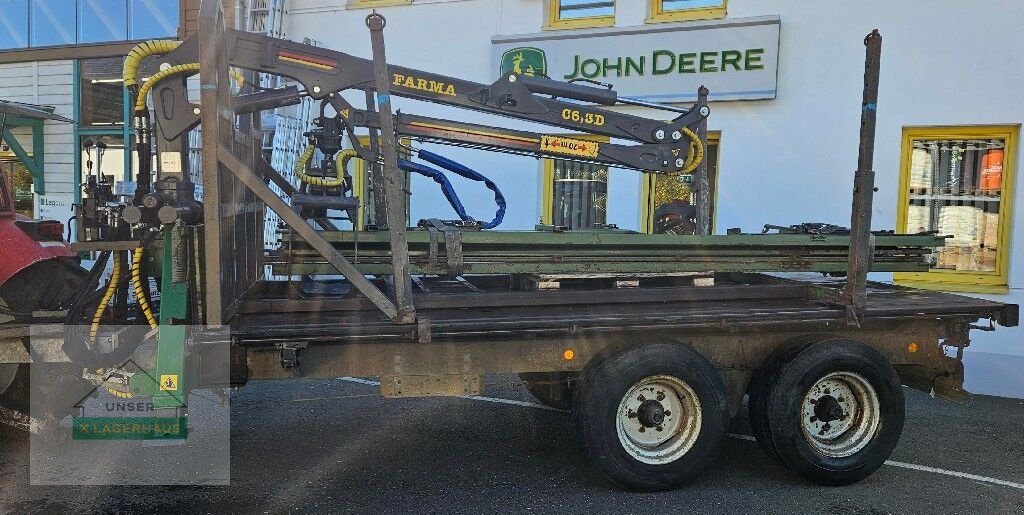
337	446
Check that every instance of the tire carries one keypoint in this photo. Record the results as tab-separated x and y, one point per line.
760	386
46	285
554	389
618	423
835	411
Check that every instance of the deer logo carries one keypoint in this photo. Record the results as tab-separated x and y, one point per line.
524	61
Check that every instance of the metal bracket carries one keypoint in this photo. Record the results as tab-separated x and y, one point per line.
290	355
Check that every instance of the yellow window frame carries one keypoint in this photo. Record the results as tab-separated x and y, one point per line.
554	20
952	280
370	4
647	206
656	12
359	182
547	184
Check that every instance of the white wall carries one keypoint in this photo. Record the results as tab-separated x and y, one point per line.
47	83
783	161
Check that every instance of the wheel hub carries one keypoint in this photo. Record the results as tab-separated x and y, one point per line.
658	420
651	413
840	414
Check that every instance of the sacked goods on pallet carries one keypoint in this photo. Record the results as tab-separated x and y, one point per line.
921	169
960	222
992	171
988	226
919	217
987	260
960	258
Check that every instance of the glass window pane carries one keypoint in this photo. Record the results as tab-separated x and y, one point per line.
153	19
102	158
53	22
13	24
682	5
955	190
102	20
101	93
674	202
574	9
580	194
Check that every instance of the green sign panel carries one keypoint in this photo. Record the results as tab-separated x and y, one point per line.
129	428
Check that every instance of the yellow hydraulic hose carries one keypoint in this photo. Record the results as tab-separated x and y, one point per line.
141	51
696	154
341	160
140	294
115	277
140	99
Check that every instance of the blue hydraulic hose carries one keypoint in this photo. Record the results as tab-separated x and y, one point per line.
446	186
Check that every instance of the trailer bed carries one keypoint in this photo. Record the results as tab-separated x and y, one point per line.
733	302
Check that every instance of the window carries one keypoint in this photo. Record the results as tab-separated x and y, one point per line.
668	202
102	20
101	93
958	181
574	194
576	14
42	23
13	23
682	10
52	22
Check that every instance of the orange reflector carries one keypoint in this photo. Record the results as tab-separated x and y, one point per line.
568	354
912	347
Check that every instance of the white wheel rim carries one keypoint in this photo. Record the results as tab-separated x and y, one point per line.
840	414
656	440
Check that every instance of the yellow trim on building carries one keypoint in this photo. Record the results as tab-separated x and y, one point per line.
547	178
952	280
656	12
647	189
554	21
369	4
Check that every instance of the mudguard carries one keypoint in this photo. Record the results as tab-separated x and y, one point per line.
18	250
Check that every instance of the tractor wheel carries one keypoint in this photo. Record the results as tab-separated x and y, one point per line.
47	285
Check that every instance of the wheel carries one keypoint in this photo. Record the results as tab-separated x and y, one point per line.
651	416
551	388
47	285
760	383
835	411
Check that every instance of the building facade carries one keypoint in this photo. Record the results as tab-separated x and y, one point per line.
785	79
785	131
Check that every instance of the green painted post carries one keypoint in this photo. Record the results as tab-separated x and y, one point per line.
38	154
172	334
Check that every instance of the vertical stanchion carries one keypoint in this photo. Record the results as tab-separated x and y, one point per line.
702	179
861	240
394	187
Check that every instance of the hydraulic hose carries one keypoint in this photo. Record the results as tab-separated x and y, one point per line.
341	160
115	276
141	51
140	294
696	154
140	99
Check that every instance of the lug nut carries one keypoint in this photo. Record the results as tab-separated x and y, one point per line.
659	134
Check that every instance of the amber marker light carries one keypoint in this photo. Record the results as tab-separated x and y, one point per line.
912	347
568	354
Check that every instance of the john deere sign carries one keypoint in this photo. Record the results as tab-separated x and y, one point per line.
736	59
